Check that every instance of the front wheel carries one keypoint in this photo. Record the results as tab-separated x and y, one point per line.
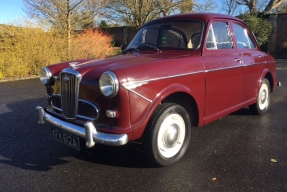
263	99
168	134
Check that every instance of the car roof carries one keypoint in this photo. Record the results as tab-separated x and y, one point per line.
205	17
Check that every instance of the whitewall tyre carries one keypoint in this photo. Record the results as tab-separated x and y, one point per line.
168	134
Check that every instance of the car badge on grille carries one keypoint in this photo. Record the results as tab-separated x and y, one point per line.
67	78
73	65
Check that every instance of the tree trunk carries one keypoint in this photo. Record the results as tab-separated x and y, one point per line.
68	33
272	5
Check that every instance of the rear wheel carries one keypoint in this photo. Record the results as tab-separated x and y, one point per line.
263	99
168	134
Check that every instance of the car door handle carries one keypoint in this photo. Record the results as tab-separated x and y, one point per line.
238	59
260	56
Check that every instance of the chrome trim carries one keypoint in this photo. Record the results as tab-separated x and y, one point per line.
89	132
225	68
80	116
70	106
139	95
47	78
94	106
114	83
161	78
73	65
47	96
133	85
41	114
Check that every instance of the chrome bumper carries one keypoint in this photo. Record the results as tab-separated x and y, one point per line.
87	132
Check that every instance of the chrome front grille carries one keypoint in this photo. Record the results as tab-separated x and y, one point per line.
70	83
86	110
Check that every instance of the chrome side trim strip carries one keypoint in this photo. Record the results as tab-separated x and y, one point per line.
132	85
139	95
160	78
89	132
225	68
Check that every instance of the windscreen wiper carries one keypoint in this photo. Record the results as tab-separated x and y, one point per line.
130	50
148	45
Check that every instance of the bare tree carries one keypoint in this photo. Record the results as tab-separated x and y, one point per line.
230	7
187	6
64	15
273	4
251	4
281	9
137	12
204	6
261	5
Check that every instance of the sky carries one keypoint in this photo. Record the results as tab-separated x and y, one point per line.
11	11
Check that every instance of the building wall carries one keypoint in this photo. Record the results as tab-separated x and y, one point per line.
121	35
279	34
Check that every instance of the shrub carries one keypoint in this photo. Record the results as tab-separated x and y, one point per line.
91	44
260	27
25	49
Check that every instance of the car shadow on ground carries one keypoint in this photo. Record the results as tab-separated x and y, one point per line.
27	145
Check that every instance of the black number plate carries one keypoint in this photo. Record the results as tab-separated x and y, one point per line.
66	138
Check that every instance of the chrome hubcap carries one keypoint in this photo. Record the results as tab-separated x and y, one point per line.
263	97
171	135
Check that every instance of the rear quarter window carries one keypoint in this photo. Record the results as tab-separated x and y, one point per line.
243	38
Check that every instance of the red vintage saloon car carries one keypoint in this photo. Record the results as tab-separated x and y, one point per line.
178	72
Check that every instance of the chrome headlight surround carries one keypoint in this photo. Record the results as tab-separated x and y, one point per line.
45	75
109	84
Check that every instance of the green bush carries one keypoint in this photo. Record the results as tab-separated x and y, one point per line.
259	26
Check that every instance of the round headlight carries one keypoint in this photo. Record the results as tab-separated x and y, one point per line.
45	75
109	84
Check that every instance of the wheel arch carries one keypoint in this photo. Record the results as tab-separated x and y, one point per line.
177	94
269	76
187	102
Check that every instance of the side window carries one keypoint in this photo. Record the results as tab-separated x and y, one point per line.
219	36
243	39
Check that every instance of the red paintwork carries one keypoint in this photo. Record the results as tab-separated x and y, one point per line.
218	84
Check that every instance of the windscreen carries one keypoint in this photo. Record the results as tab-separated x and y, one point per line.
171	35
